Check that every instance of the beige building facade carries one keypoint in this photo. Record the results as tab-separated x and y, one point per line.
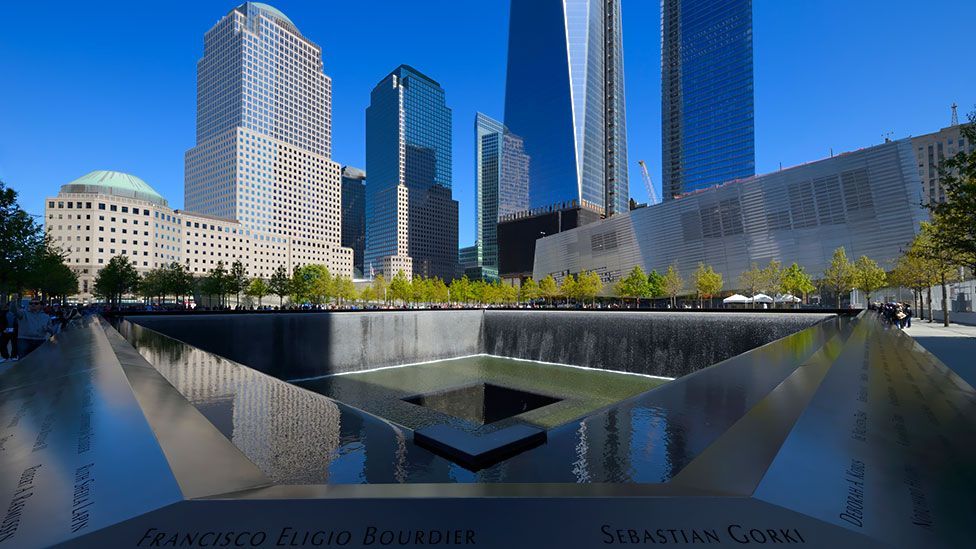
931	150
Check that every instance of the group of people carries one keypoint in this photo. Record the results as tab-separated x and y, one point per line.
896	314
24	329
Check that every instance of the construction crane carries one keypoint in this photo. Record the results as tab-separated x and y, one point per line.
651	195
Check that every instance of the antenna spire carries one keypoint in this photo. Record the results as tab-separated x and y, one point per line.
955	116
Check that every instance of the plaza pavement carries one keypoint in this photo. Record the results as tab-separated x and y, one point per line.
955	346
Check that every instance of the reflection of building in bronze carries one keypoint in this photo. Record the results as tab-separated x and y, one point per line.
259	414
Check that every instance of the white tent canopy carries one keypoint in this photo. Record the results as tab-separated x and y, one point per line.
761	298
736	298
787	298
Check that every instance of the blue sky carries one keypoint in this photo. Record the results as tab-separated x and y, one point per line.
112	85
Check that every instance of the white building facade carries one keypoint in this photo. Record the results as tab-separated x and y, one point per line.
264	142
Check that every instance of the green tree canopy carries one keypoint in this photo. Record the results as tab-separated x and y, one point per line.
258	288
839	276
635	284
548	288
706	281
117	278
280	284
588	285
529	290
867	276
954	221
796	281
237	279
400	288
751	280
673	284
655	284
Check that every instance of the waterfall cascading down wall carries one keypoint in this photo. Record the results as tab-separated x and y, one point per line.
298	345
665	344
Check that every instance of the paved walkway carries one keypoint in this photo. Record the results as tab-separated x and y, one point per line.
955	346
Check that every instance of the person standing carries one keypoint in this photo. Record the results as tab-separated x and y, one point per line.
8	322
908	315
33	326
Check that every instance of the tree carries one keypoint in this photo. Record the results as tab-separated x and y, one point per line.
751	281
47	273
421	289
258	288
529	290
707	282
439	291
673	284
237	279
179	281
117	278
635	285
771	278
280	284
345	289
400	288
380	287
20	238
655	284
548	288
153	285
796	281
312	283
839	276
954	221
568	288
938	259
508	293
479	292
367	294
215	283
588	285
460	289
868	276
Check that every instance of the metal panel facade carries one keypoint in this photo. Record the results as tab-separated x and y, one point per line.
867	201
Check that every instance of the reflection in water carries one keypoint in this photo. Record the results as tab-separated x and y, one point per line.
297	436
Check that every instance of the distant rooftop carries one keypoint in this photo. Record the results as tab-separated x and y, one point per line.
267	9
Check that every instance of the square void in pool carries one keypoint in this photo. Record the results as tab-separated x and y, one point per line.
477	411
482	403
462	392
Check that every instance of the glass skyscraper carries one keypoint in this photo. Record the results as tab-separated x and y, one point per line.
354	215
411	218
708	130
564	97
263	141
502	182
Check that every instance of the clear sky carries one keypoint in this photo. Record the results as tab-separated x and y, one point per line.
112	85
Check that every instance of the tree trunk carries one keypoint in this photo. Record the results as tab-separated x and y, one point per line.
930	303
945	303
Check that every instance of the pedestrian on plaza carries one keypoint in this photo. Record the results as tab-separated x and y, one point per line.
33	326
908	315
8	336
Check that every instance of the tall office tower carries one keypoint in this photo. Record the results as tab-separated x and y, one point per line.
502	183
411	218
564	96
264	140
354	214
707	121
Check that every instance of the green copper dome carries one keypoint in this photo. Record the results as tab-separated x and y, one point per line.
115	184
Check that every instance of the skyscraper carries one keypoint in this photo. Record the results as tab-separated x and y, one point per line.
354	214
708	130
502	182
564	96
264	139
411	218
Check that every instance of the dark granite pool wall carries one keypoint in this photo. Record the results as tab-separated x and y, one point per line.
656	343
299	345
292	346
